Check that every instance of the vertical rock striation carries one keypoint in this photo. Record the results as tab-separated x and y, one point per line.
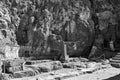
8	44
47	25
44	26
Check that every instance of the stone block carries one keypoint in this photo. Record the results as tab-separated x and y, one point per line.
45	67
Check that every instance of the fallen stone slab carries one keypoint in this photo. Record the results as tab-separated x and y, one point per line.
29	78
79	64
92	69
72	60
32	62
45	66
62	74
80	71
14	69
77	59
13	65
73	65
13	62
68	73
22	74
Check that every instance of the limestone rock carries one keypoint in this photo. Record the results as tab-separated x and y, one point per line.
1	64
46	28
44	67
70	20
7	34
12	66
11	52
22	74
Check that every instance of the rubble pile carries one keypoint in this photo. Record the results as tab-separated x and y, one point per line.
52	70
13	65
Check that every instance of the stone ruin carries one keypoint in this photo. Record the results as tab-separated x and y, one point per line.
57	29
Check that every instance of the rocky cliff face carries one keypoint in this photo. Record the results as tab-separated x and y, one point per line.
106	25
8	43
46	25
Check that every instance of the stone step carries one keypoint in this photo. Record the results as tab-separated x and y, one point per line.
116	58
116	61
118	53
117	65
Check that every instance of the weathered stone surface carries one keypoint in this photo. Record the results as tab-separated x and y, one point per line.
44	67
68	21
22	74
8	43
12	66
11	52
74	65
106	40
2	77
15	62
1	64
47	25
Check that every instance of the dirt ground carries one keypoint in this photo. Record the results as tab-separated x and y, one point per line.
105	74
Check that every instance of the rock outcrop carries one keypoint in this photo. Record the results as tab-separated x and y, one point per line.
107	23
45	26
8	44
